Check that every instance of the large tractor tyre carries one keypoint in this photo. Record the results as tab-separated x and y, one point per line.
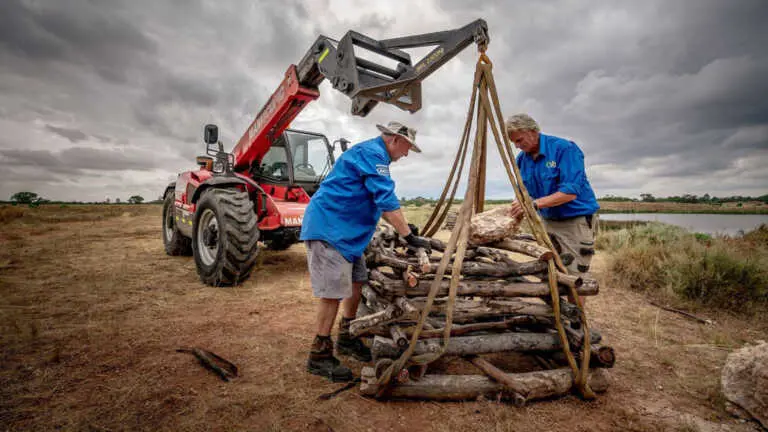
225	237
174	241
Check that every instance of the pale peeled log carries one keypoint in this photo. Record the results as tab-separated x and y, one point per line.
492	226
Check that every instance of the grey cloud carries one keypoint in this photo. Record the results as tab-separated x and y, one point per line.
181	89
748	137
75	159
90	34
73	135
102	138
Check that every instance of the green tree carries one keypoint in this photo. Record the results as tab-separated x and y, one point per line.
136	199
25	198
647	197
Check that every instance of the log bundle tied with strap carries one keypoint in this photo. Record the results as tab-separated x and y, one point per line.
488	289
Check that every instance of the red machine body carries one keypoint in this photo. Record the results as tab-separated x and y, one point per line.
280	205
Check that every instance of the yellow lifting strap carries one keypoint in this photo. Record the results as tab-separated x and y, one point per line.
484	108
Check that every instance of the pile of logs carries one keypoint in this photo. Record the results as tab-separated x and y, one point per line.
501	307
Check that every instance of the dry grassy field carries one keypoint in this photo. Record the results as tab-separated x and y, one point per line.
93	310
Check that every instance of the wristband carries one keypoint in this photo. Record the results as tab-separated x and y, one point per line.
535	206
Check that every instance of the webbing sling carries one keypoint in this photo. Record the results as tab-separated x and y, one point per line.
488	117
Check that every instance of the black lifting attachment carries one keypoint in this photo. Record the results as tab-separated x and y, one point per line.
368	82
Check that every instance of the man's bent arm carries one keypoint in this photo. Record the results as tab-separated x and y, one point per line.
554	200
396	218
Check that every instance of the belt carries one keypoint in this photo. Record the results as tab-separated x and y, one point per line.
587	217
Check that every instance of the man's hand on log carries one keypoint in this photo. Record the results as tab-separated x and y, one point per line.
417	242
516	210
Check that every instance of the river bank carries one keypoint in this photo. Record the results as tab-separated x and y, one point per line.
750	207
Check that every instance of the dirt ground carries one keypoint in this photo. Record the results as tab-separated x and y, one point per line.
93	310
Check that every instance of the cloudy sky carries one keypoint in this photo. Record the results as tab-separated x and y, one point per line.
107	99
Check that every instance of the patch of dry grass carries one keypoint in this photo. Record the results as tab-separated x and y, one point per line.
58	213
672	263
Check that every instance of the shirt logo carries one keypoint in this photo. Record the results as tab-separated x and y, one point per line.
382	169
551	164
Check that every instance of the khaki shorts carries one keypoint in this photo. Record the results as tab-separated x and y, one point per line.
330	273
575	236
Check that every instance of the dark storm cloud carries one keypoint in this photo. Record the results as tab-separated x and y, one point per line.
89	34
665	95
183	90
75	159
677	88
72	135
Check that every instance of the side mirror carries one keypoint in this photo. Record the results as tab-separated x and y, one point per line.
211	135
343	143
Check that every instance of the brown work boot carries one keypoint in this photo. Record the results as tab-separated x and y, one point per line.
322	362
347	345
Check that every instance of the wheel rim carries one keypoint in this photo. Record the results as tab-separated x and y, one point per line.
169	223
207	237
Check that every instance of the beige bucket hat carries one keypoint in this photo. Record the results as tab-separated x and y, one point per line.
397	128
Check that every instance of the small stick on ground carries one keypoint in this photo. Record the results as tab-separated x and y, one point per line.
222	367
683	313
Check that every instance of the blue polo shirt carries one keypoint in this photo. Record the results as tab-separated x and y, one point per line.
346	208
559	166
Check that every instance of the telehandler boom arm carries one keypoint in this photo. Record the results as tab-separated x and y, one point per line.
366	82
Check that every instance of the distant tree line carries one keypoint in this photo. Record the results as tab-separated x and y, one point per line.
644	197
689	198
33	199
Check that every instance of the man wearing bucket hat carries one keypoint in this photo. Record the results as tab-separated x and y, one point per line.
337	227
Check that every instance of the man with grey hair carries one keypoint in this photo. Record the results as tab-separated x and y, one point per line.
337	227
552	170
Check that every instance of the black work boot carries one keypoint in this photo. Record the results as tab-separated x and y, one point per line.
322	362
347	345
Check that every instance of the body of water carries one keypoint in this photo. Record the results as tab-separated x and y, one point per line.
729	224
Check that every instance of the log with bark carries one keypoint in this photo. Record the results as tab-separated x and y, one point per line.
480	344
528	248
515	387
391	314
533	385
601	356
481	288
494	269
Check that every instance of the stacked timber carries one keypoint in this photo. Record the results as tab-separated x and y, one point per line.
502	305
450	220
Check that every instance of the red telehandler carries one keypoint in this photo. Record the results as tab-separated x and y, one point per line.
260	190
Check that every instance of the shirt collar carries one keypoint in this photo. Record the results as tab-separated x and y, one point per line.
383	145
543	149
